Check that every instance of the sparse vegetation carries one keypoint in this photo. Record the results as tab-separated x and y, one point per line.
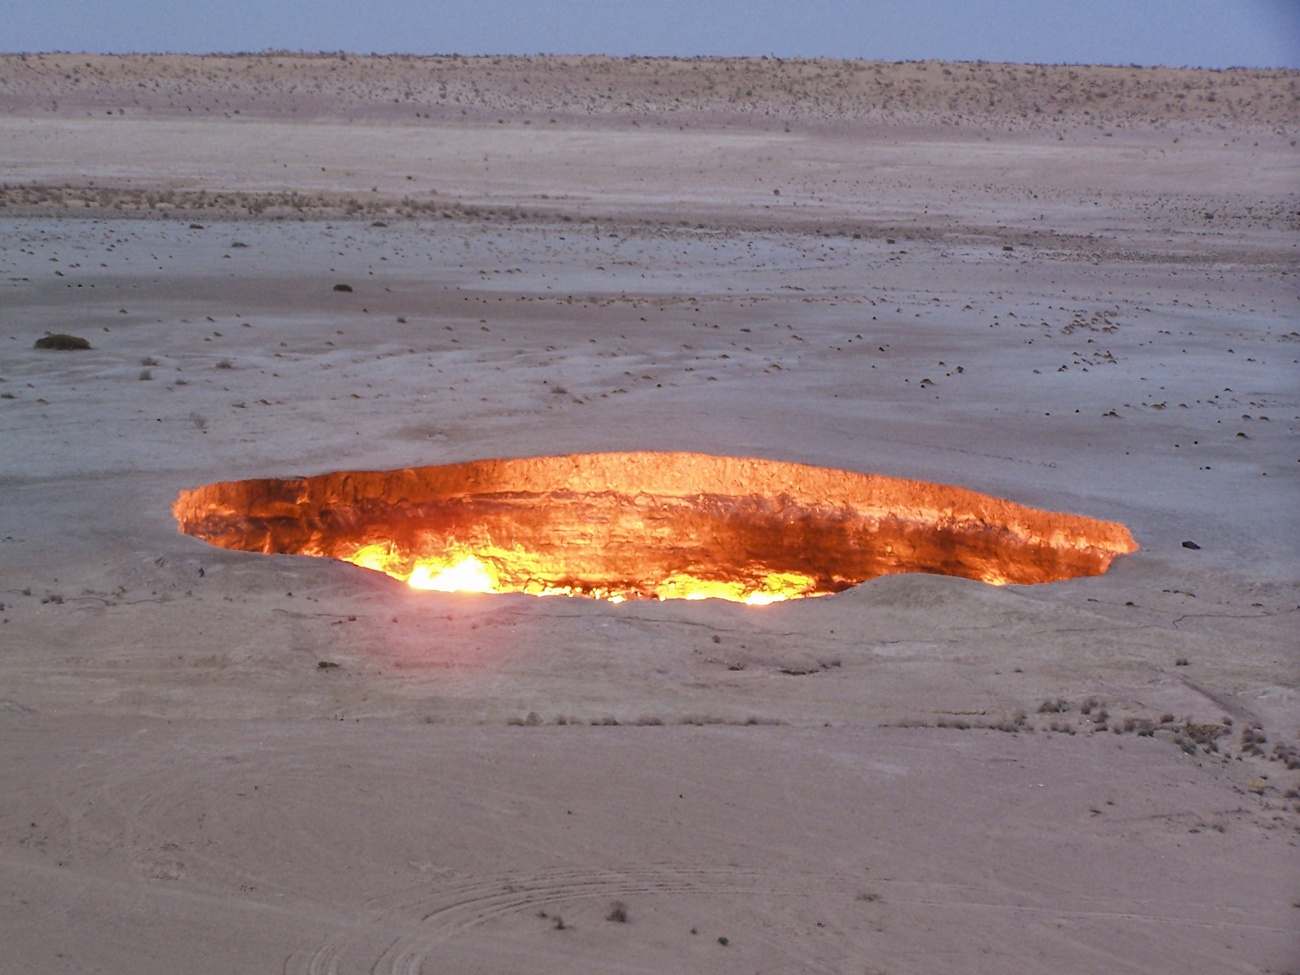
1193	737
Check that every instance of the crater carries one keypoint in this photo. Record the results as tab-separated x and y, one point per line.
623	526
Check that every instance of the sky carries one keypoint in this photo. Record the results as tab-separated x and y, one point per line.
1197	33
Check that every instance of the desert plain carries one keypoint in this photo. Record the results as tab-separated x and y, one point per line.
1072	287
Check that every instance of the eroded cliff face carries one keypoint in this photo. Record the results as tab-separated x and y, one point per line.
648	525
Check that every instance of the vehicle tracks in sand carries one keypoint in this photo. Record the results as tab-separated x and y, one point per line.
414	928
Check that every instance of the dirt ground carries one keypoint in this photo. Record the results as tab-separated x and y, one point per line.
1072	287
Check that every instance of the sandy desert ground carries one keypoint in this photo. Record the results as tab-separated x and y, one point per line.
1076	288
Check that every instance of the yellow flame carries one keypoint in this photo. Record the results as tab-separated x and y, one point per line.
379	558
467	575
491	569
775	587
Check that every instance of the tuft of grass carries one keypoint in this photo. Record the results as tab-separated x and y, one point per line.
60	342
617	913
1012	724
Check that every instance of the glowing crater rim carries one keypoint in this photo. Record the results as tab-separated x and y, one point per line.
636	525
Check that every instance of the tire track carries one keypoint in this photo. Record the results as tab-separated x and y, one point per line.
454	910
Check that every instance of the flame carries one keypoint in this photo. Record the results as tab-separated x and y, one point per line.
455	572
467	575
775	587
464	571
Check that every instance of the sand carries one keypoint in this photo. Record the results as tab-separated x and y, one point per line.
1069	287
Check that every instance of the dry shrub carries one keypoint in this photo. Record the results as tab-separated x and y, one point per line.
60	342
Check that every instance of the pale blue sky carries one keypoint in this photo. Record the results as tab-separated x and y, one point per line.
1203	33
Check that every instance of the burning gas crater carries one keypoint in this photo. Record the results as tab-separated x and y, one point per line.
648	526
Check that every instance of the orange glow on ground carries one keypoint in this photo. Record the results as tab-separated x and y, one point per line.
648	526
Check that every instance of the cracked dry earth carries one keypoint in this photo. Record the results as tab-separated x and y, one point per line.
218	760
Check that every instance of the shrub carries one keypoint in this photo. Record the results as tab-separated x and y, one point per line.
62	343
